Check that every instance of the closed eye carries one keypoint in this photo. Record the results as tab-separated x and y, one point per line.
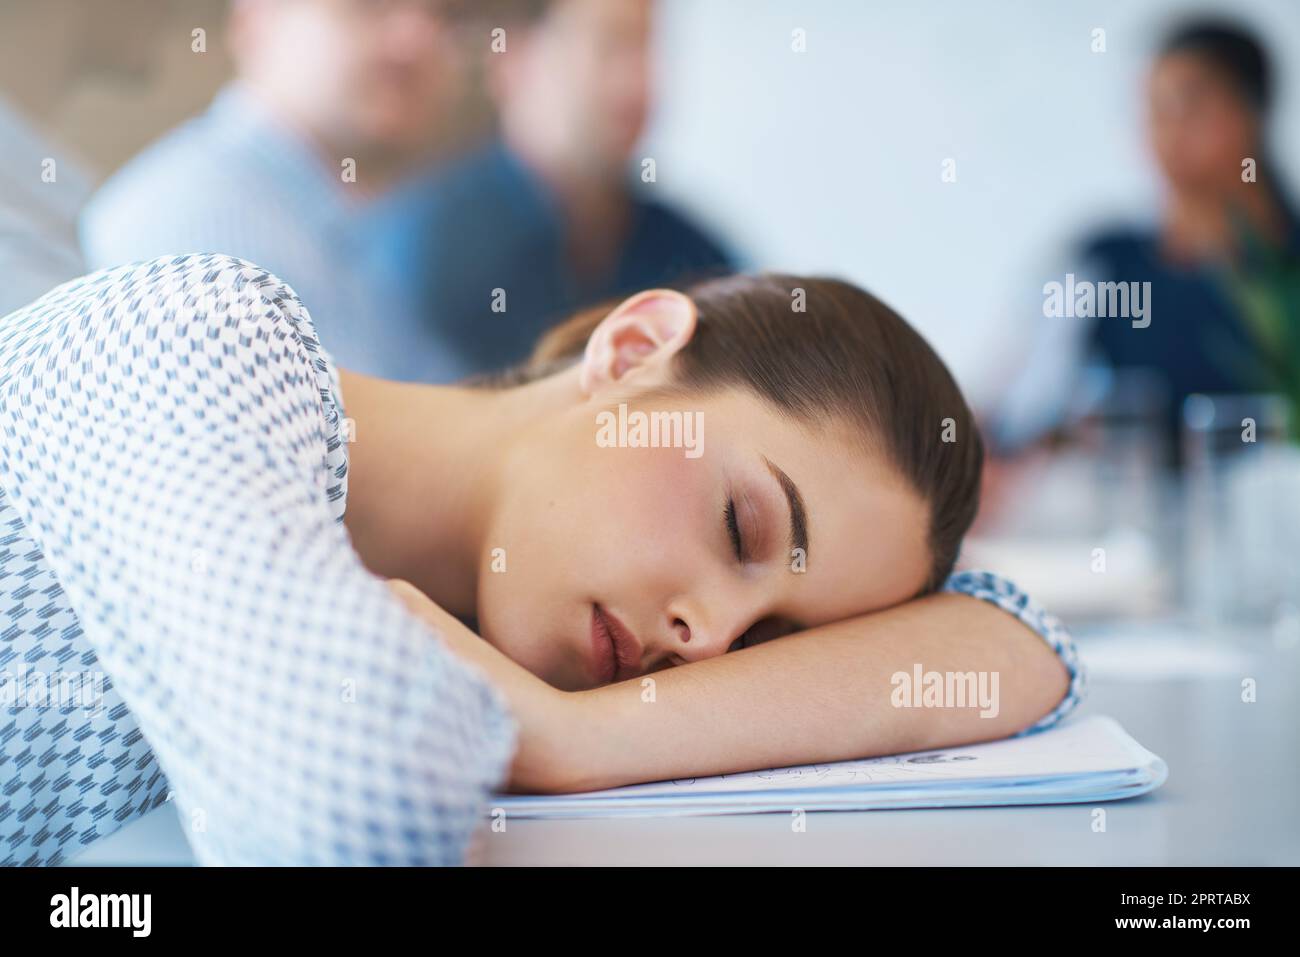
765	630
733	530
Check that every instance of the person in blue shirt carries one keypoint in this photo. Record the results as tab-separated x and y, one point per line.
545	219
1226	219
334	104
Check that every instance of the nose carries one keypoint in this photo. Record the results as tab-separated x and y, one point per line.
696	633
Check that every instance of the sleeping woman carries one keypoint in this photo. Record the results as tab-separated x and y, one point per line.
330	634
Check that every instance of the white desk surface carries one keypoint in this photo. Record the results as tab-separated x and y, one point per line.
1231	797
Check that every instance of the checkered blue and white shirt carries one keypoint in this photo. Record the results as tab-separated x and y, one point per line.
173	470
181	610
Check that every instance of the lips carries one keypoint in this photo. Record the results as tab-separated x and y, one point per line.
616	652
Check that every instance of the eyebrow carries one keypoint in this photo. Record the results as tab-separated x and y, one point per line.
798	514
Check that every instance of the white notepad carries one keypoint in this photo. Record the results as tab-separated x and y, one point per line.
1080	761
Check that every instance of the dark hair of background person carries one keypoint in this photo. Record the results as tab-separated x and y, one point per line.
1236	54
495	12
848	358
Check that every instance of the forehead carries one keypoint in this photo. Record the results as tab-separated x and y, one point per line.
626	20
1186	73
867	529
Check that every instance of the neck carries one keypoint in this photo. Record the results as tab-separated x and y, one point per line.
426	470
592	196
1201	226
597	226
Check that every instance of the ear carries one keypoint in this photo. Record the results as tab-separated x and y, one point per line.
639	338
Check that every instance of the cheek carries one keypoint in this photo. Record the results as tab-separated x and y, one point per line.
1228	138
641	508
624	525
1215	137
619	526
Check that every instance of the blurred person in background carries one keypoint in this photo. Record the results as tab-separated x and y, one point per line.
48	48
547	211
334	103
1222	234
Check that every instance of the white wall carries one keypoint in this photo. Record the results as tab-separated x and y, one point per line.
829	161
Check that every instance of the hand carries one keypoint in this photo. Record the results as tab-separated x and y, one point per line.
548	755
463	642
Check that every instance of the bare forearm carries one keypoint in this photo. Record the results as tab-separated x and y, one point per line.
545	717
821	695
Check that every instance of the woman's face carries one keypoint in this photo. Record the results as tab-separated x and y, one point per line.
1200	128
694	555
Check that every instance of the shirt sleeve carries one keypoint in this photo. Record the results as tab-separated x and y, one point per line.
165	441
997	590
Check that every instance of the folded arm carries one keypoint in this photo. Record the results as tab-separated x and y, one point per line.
821	695
825	695
165	443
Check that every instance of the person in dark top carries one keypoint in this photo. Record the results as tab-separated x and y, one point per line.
1225	219
544	219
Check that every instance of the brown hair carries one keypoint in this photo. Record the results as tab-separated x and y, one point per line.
847	355
497	12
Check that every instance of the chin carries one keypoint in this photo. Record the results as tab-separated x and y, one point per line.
530	648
